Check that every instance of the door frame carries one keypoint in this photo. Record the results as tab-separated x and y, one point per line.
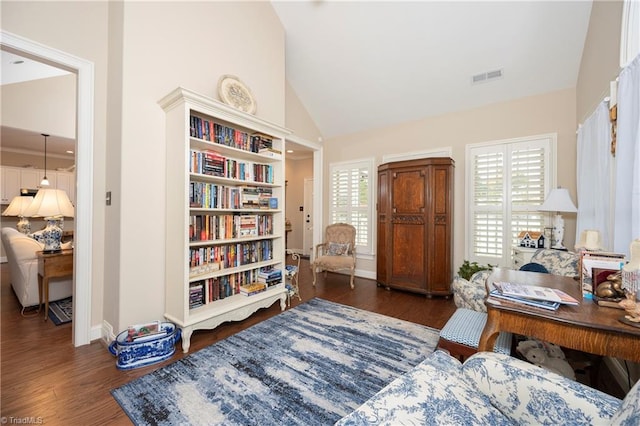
83	241
317	187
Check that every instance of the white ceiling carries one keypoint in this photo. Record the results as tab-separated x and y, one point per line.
361	65
18	69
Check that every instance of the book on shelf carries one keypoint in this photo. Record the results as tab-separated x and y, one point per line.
534	292
261	141
543	304
270	152
252	288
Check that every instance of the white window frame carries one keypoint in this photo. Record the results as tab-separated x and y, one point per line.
629	32
366	250
505	145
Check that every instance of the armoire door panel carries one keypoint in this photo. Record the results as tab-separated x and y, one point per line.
408	192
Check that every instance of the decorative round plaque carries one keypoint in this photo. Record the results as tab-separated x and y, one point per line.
233	92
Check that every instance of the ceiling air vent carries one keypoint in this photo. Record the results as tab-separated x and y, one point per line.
486	76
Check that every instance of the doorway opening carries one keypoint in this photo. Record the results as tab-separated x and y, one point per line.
84	70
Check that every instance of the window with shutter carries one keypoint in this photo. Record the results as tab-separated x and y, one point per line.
350	199
507	182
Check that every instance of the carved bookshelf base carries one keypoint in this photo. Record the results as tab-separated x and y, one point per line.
235	308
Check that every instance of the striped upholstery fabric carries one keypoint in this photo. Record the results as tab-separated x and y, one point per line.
465	327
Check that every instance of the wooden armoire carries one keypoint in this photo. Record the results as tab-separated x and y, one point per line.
415	223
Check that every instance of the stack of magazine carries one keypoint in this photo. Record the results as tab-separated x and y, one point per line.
531	295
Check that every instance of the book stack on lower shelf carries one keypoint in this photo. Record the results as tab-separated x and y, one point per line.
270	276
253	288
530	295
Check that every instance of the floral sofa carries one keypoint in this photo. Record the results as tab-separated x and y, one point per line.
491	389
472	293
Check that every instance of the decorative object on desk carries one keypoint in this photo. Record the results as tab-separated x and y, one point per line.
607	284
310	365
531	239
597	260
234	92
631	271
17	207
45	182
61	311
633	310
51	204
558	201
589	240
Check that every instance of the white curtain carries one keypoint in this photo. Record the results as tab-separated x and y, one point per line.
627	189
594	174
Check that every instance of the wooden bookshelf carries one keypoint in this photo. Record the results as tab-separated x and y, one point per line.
219	184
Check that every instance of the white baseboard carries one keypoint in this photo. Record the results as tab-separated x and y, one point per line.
618	371
106	332
95	333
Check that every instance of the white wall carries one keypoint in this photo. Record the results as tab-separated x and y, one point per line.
549	113
166	45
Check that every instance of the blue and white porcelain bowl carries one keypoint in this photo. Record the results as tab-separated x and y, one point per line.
147	351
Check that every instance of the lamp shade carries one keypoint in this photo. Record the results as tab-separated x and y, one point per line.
50	203
18	206
558	200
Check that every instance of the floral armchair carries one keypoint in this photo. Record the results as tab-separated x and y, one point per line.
471	294
491	389
337	252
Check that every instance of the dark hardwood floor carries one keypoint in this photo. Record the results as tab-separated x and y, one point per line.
45	378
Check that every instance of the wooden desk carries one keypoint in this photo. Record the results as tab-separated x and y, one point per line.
586	327
55	265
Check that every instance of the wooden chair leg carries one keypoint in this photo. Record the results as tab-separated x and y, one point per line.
352	273
314	275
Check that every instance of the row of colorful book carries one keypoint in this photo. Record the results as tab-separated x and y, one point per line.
232	255
214	196
214	164
247	283
227	226
208	130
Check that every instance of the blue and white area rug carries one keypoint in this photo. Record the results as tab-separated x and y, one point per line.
61	311
310	365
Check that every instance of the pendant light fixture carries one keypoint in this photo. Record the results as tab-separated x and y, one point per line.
45	181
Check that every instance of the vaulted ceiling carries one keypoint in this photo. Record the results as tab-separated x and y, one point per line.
359	65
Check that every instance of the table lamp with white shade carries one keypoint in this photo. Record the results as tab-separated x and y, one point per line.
558	201
17	207
52	205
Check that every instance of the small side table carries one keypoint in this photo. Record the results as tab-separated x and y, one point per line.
291	277
52	265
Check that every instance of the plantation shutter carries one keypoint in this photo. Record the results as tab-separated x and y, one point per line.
488	203
509	182
528	189
350	199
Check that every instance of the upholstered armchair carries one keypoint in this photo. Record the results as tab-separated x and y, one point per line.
471	294
337	252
